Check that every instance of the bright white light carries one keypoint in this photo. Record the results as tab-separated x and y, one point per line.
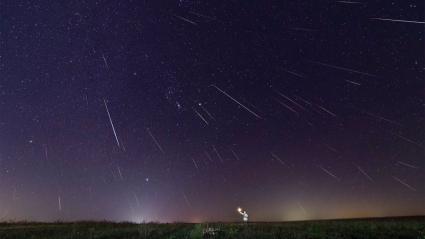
244	214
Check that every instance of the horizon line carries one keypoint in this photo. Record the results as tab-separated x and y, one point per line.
186	222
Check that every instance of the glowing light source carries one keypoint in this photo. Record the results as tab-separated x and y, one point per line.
244	214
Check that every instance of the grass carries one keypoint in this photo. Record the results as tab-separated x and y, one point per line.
391	228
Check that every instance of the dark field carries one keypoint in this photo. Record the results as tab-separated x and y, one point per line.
392	228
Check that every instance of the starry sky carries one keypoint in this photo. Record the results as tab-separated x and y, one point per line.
185	110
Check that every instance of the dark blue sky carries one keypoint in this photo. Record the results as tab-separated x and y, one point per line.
290	109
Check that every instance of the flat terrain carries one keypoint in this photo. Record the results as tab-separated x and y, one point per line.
391	228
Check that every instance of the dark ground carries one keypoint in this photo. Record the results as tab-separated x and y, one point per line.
406	227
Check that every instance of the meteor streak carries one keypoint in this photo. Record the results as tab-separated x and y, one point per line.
155	141
137	199
294	73
104	61
201	15
45	152
404	184
237	102
218	154
302	208
408	140
289	99
278	159
396	20
112	124
59	203
208	156
200	116
186	200
331	148
364	173
407	165
327	111
119	173
194	163
342	68
353	82
235	155
186	20
305	101
206	111
287	106
378	117
349	2
329	173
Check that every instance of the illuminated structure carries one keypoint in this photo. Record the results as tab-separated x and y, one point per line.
244	214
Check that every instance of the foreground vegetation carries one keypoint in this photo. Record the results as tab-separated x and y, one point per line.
392	228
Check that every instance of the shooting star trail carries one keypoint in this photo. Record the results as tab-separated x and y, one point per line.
105	61
194	163
119	173
408	140
123	147
155	141
364	173
208	156
205	162
137	199
86	98
294	73
218	154
186	20
200	116
302	29
112	124
348	2
112	171
59	203
353	82
206	111
45	152
235	155
302	208
331	148
286	106
237	102
186	200
396	20
305	101
276	157
407	165
378	117
342	68
201	15
14	194
289	99
326	110
404	184
329	173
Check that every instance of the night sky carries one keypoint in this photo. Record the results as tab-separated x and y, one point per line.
185	110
